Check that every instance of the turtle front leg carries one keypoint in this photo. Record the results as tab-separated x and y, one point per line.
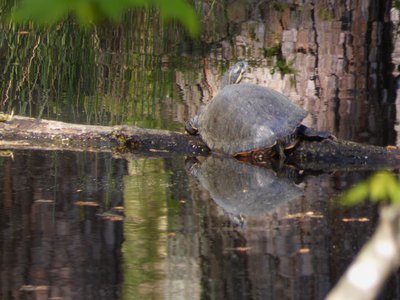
191	126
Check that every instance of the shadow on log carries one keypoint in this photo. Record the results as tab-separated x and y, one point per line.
18	132
344	155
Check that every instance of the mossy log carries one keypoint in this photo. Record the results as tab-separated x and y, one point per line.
19	132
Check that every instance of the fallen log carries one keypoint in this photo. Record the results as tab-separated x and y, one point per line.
332	155
17	132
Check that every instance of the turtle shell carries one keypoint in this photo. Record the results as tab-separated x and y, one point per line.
245	117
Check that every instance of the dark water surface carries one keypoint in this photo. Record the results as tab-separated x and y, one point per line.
175	241
50	245
95	226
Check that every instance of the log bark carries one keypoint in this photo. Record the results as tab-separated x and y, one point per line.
19	132
331	155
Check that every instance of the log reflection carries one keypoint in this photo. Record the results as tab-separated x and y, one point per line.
52	247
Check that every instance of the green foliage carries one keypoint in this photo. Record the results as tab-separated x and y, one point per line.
272	51
396	4
326	14
382	186
281	65
180	10
284	67
45	12
279	6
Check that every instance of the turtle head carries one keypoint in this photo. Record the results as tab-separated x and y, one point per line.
235	74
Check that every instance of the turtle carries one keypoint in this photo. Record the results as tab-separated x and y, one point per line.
249	120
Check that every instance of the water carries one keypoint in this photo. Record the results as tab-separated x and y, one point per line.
52	246
175	241
95	226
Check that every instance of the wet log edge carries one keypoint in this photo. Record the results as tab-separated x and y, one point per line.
19	132
29	133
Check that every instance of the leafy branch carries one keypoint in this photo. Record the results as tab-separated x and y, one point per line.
47	12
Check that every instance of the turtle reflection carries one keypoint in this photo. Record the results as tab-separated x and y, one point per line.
242	189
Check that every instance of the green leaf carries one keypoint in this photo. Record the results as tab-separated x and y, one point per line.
182	11
378	187
85	12
382	186
47	12
42	12
356	194
394	193
114	10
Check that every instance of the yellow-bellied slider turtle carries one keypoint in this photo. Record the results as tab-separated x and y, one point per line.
247	119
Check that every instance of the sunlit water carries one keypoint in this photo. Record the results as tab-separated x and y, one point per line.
93	226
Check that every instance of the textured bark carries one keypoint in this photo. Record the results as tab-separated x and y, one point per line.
336	53
29	133
331	155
